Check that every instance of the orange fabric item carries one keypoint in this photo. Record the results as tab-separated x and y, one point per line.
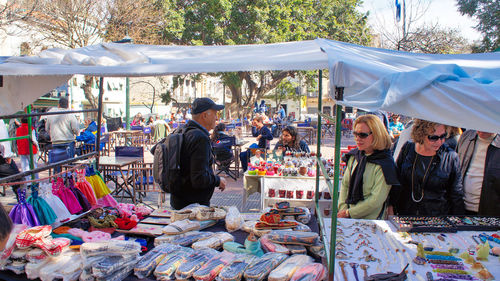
61	230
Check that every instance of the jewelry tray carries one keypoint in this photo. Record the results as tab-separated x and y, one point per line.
475	223
444	223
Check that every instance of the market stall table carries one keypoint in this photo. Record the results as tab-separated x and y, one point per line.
377	244
126	137
307	134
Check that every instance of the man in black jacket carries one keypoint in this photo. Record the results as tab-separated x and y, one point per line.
198	180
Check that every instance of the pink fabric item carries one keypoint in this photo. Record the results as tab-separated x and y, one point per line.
84	186
142	210
126	210
53	247
107	201
94	236
76	232
66	196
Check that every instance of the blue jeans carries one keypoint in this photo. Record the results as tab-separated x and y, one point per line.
70	150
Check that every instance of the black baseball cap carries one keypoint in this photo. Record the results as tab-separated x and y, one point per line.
203	104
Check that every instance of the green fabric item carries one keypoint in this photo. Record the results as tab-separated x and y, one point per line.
375	191
66	235
160	132
43	211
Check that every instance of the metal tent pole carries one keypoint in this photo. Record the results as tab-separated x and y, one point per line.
99	120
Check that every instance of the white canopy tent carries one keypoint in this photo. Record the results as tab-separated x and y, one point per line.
459	90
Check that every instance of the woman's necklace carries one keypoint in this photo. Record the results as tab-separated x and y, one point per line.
423	179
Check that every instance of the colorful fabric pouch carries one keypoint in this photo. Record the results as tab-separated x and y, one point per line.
194	262
234	271
166	269
215	241
193	237
212	268
150	260
270	246
260	268
286	269
310	272
293	237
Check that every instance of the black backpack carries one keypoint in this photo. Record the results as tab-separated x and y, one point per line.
167	161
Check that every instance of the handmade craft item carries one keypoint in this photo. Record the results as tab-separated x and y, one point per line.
270	246
107	267
310	272
297	249
293	237
84	186
192	237
110	248
165	270
252	246
234	271
286	269
212	267
215	241
82	200
210	213
193	262
43	211
260	268
45	192
66	196
182	226
22	212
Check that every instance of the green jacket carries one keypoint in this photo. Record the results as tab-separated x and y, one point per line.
375	191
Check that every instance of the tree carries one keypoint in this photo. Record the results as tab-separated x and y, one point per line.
14	12
413	35
487	12
227	22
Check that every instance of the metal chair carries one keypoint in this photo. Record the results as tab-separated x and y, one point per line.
224	156
143	183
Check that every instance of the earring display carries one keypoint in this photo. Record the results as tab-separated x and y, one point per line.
371	250
444	224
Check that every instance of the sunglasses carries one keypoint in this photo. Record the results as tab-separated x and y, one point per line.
361	135
434	138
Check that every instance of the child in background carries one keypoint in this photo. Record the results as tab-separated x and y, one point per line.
6	228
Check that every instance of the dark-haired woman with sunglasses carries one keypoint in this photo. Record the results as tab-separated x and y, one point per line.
370	171
290	141
429	172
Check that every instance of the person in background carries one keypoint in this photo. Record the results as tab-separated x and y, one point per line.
395	126
263	136
370	171
6	228
197	178
263	107
179	116
281	112
219	134
479	154
276	122
87	136
7	165
453	136
63	128
429	172
290	141
23	146
138	120
150	121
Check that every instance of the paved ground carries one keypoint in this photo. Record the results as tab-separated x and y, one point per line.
232	196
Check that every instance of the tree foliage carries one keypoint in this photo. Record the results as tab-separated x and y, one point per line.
228	22
487	12
414	35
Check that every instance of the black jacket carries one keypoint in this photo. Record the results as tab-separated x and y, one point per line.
443	191
265	136
489	202
197	177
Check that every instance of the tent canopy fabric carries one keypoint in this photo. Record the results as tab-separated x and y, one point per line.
458	90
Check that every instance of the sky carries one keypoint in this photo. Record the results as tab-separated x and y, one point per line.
443	12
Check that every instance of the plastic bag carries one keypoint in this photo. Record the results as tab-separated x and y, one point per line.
195	236
215	241
112	264
110	248
212	268
306	217
16	266
296	249
11	243
310	272
121	273
294	237
165	270
56	265
149	261
234	220
193	262
248	226
166	238
260	268
287	268
234	271
32	269
270	246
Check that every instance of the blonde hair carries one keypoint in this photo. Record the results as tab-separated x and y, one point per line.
259	118
381	139
422	128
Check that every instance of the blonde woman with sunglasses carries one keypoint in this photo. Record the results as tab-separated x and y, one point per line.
370	171
429	172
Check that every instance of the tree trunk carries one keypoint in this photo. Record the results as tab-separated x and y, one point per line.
87	91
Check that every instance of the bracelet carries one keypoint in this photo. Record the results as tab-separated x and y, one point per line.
448	266
354	270
455	276
452	271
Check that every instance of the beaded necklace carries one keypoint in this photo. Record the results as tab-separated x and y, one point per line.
423	179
